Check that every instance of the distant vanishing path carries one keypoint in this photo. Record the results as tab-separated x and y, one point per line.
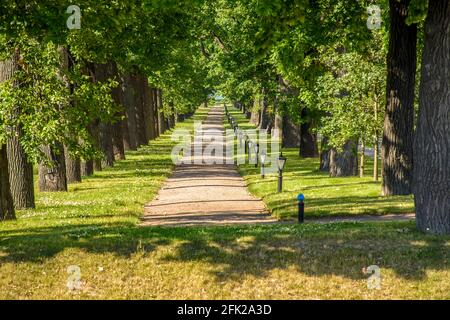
206	194
215	194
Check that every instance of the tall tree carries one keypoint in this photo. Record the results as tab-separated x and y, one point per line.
130	138
7	69
397	145
6	202
20	168
432	140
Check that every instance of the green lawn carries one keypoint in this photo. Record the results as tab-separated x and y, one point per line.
94	226
325	196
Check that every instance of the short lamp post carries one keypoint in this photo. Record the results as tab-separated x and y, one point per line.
256	148
281	163
246	143
301	208
263	163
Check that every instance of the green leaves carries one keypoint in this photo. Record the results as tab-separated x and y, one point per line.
417	11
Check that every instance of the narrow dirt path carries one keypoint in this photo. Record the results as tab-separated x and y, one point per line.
206	194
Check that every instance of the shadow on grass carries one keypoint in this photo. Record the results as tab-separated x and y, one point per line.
339	206
319	250
331	249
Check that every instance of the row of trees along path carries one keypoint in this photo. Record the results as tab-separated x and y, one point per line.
306	67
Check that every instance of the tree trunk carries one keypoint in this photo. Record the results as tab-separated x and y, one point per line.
324	155
362	160
432	141
20	169
130	137
72	165
94	130
87	168
103	72
161	119
148	110
291	133
375	145
171	119
117	141
264	120
20	172
375	158
73	168
308	140
399	119
139	112
117	126
6	201
344	164
255	116
278	123
155	111
106	145
53	178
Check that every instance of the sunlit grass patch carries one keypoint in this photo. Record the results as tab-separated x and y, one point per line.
325	196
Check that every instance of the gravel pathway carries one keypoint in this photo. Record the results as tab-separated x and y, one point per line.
206	194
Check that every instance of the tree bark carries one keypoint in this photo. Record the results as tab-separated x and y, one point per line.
87	168
375	143
399	119
308	140
20	172
255	116
171	118
73	168
248	109
344	164
118	125
53	178
130	137
94	130
362	159
106	144
432	140
161	119
278	123
6	201
72	165
324	155
139	111
155	111
264	121
20	169
291	133
375	158
148	110
103	72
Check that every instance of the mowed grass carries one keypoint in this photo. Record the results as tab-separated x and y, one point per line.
325	196
252	262
95	227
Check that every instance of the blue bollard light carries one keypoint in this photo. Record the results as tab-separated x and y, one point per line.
301	207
